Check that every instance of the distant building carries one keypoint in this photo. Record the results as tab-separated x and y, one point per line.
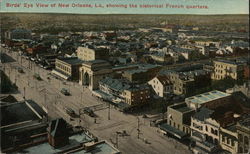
163	58
137	95
224	68
88	54
161	85
18	34
203	42
67	68
245	89
247	72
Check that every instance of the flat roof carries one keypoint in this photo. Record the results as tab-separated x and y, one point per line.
236	62
184	109
71	60
206	97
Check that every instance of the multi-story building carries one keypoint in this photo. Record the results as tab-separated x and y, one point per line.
113	87
184	83
224	68
143	74
138	94
161	85
205	131
178	120
91	72
243	131
67	68
210	99
88	54
203	42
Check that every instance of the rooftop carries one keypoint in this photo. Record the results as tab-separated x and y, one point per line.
203	114
74	141
98	61
206	97
116	84
71	60
181	107
246	121
184	109
164	79
20	112
235	62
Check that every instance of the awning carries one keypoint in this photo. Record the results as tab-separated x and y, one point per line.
66	77
169	129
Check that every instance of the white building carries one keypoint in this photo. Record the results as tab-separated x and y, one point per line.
161	85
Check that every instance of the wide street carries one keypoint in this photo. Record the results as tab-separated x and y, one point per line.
47	94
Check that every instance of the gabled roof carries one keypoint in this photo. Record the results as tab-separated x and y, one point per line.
164	80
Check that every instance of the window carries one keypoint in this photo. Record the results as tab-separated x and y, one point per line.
216	132
223	139
246	140
240	150
232	143
240	138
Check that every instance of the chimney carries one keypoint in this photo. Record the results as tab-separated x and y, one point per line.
58	133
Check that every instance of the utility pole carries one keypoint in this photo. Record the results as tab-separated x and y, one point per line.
117	135
79	113
109	112
24	92
138	128
45	98
15	76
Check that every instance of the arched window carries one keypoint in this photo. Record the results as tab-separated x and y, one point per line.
246	140
212	130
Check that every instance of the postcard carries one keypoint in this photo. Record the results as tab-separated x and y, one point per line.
125	76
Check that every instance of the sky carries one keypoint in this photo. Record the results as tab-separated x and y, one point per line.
213	6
